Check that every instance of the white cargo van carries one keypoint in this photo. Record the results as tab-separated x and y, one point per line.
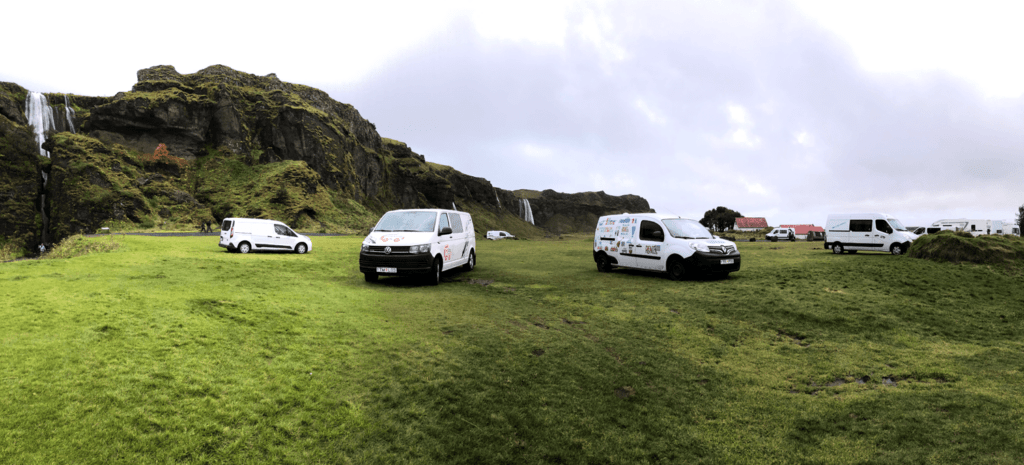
850	232
783	234
248	234
498	235
658	242
418	242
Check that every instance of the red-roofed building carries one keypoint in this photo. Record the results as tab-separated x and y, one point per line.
801	230
751	224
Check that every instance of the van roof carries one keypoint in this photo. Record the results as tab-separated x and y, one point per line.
255	220
435	210
660	216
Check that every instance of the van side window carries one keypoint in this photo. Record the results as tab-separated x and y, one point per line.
860	225
226	226
444	222
456	223
883	226
647	230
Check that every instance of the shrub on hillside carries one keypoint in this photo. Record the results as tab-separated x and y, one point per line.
961	246
76	246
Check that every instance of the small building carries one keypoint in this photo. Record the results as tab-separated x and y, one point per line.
751	224
801	230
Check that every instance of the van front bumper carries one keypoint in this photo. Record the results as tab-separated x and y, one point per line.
406	264
712	262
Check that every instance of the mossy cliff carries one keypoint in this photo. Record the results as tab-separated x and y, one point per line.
236	144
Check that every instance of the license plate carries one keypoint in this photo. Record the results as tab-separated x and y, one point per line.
387	270
727	261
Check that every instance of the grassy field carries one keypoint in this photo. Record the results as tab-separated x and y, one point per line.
170	350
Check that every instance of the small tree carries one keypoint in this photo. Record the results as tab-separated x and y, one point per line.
720	218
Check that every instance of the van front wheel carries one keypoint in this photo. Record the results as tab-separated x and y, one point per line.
435	273
837	248
301	248
897	249
676	269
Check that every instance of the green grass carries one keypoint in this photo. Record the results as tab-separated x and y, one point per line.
170	350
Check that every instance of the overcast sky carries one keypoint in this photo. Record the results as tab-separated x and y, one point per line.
789	110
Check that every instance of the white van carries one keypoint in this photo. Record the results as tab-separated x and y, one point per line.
658	242
498	235
850	232
784	234
418	242
248	234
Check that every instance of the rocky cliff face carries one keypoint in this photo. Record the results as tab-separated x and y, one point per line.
239	145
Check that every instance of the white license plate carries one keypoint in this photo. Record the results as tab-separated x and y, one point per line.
727	261
387	270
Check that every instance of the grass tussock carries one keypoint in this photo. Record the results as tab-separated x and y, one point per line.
78	245
9	252
957	247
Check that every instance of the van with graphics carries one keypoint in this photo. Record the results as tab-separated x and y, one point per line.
245	235
851	232
418	242
665	243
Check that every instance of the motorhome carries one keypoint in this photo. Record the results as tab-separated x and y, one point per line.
418	242
852	232
975	227
665	243
245	235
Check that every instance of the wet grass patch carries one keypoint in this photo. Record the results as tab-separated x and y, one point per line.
171	350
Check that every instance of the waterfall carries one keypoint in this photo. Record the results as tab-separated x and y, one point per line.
40	117
525	211
496	197
453	207
69	113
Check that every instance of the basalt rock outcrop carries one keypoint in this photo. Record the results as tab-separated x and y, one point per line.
237	144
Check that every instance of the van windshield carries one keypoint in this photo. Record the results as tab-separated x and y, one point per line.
896	224
406	222
687	229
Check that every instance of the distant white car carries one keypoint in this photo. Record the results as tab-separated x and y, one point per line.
497	235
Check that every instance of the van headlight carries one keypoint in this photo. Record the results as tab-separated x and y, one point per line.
699	246
424	248
366	248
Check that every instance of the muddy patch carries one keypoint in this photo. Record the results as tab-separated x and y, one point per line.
538	352
625	392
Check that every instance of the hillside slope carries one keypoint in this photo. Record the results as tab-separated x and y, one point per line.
181	149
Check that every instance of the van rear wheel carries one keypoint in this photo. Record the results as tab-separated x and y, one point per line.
604	264
472	261
244	247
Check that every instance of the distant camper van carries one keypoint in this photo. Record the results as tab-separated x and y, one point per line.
418	242
850	232
666	243
245	235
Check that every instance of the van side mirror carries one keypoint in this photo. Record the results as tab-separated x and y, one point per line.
445	231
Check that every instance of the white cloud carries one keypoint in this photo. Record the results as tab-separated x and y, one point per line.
803	138
538	21
651	115
743	138
535	151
